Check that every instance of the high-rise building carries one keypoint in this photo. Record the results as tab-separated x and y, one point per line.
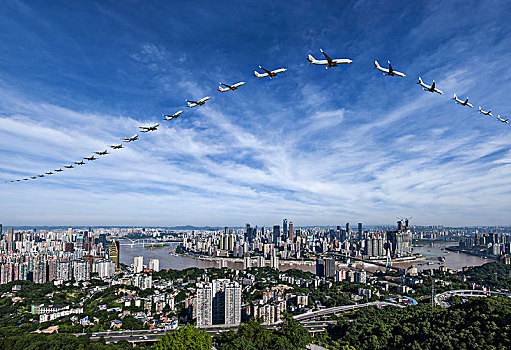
325	267
360	230
138	264
250	233
81	270
224	303
291	232
348	232
276	233
204	304
114	253
154	264
400	240
284	228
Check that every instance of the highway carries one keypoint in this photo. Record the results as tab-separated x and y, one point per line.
442	299
306	320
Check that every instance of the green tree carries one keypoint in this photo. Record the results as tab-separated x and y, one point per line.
187	337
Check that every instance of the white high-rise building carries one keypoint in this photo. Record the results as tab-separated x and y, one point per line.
138	264
154	264
218	302
204	305
81	270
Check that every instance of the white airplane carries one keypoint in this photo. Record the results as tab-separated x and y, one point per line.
49	173
68	166
431	88
80	162
172	116
485	113
149	128
113	147
58	170
388	71
201	102
90	158
272	74
460	102
329	62
230	87
503	120
130	139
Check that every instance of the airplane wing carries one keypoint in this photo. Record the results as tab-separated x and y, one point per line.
226	85
280	70
390	68
266	70
194	102
433	86
328	58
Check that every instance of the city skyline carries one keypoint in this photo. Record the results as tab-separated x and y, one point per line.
313	145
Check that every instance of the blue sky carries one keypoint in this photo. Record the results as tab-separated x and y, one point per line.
316	146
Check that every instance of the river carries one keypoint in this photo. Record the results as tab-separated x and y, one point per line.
454	261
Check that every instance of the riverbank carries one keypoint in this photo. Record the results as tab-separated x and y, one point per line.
473	253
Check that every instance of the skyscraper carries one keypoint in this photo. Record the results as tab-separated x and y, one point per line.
218	302
276	233
359	230
154	264
348	232
291	232
114	253
284	228
138	264
325	267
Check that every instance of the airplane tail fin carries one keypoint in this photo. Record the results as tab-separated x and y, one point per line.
420	81
310	59
455	97
376	65
189	104
480	109
256	74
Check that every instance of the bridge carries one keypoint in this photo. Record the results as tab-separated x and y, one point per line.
147	242
377	263
441	299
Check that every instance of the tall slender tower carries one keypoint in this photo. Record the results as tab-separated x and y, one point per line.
114	253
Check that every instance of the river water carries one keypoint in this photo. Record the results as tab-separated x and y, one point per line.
454	261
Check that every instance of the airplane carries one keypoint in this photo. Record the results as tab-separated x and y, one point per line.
503	120
80	162
230	87
18	180
460	102
33	177
172	116
130	139
41	175
49	173
68	166
90	158
388	71
485	113
431	88
58	170
201	102
24	180
329	62
272	74
114	147
149	128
